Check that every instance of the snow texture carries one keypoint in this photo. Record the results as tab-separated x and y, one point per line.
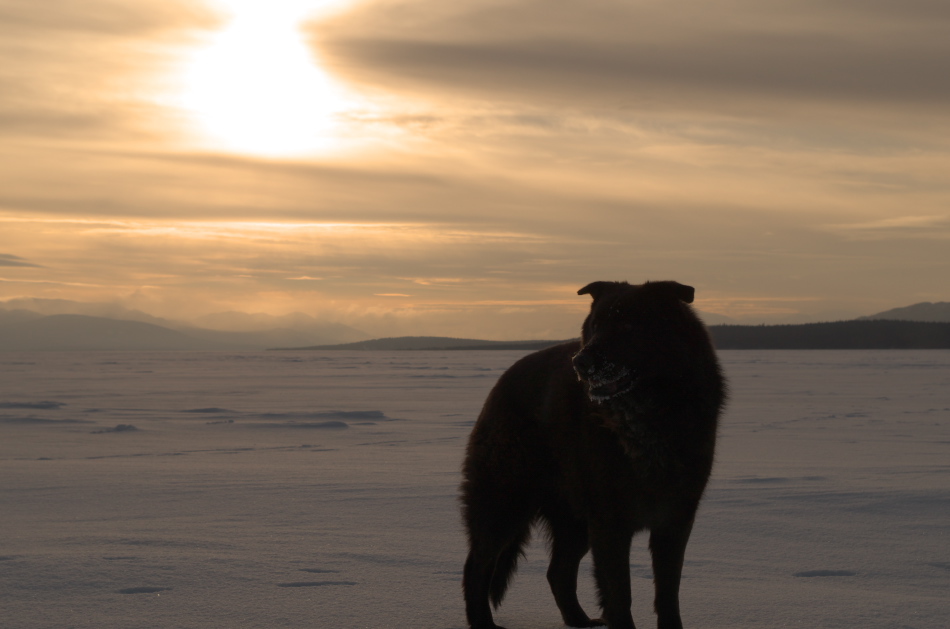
319	489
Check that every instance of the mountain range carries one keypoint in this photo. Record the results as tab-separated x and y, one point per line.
854	334
59	325
400	343
924	311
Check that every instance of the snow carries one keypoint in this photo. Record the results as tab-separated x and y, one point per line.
318	489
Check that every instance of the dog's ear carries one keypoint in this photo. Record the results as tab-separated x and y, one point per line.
683	292
596	289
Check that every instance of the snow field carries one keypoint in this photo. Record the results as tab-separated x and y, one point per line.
318	489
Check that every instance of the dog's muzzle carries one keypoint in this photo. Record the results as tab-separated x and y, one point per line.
604	379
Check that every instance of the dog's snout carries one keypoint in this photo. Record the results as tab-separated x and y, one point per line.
584	363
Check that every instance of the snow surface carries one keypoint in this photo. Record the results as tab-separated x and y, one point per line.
318	489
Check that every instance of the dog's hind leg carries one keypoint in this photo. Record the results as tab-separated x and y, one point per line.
506	565
476	583
502	475
569	544
490	565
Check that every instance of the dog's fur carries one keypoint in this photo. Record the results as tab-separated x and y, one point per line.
596	440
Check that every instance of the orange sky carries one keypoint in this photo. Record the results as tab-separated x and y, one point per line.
461	168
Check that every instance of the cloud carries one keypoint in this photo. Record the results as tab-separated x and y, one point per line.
693	56
10	260
82	69
512	151
104	17
901	227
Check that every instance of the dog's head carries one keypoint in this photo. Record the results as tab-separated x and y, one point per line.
634	333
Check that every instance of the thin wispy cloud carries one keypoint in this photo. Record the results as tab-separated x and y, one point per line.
903	227
7	259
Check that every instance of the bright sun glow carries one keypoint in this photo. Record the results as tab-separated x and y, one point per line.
256	89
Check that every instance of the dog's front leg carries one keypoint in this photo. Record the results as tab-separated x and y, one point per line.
668	547
610	547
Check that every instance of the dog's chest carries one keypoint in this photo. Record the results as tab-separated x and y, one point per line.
648	451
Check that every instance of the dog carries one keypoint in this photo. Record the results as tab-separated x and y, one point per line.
596	440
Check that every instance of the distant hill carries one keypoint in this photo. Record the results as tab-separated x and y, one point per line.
274	337
835	335
430	343
296	321
23	329
859	334
8	317
69	332
224	331
38	307
924	311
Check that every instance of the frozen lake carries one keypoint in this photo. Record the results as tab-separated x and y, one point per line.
318	489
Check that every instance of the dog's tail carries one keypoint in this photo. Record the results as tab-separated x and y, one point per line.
506	565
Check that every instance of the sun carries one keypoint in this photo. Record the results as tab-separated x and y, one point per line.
255	86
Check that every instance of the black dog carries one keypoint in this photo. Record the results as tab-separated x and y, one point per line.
596	440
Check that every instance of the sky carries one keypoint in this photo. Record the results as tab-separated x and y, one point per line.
462	168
